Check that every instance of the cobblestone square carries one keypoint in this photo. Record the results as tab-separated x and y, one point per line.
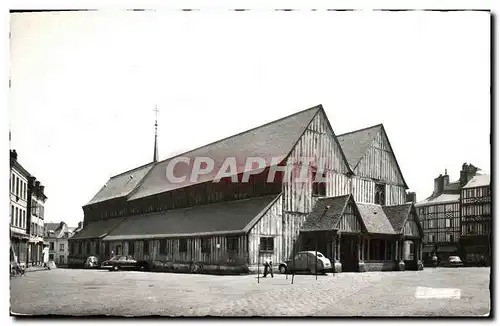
99	292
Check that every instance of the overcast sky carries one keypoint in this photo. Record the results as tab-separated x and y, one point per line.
84	86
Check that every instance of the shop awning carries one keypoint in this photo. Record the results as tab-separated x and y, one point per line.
428	249
447	249
19	235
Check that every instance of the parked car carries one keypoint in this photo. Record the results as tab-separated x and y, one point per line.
92	262
120	262
306	261
454	261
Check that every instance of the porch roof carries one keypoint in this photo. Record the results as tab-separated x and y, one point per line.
230	217
397	215
374	218
97	229
326	214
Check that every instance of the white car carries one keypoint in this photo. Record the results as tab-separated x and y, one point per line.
307	261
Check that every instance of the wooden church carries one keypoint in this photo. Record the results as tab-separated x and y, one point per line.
356	214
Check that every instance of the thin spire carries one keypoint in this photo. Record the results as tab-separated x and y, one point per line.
155	154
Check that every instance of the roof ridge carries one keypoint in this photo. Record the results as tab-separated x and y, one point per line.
397	205
132	170
333	197
317	107
358	130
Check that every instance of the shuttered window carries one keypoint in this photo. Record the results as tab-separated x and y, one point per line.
163	246
266	244
182	245
205	245
318	186
232	244
131	248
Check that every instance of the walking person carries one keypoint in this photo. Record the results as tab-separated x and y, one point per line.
46	257
434	260
268	268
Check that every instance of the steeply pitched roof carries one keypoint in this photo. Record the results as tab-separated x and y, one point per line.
272	140
480	180
397	215
98	229
356	143
51	226
374	218
441	199
219	218
122	184
326	214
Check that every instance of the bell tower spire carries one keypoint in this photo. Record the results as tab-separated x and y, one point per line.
155	154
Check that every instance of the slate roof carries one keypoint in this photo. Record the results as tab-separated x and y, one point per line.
441	199
397	215
374	218
323	219
356	143
219	218
274	139
98	229
122	184
51	226
479	180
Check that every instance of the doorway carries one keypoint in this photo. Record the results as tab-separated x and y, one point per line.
349	253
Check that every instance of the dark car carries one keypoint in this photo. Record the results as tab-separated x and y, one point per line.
305	261
121	263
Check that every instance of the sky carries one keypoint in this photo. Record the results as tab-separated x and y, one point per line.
84	86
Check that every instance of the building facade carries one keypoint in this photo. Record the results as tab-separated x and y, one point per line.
19	234
36	207
476	220
440	215
349	199
27	201
57	236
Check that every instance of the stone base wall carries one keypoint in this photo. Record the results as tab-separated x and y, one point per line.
380	266
196	268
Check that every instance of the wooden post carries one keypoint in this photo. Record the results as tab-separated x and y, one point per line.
368	249
293	260
316	261
258	265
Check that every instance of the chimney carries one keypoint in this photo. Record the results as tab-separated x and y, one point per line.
446	178
467	173
79	225
13	155
438	185
411	197
42	188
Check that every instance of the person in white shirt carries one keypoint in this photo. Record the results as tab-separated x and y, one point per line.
46	257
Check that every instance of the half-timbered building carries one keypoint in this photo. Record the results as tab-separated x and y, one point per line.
440	215
476	226
235	220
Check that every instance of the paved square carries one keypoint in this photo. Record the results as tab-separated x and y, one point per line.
84	292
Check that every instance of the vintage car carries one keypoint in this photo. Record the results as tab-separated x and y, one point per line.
306	261
92	262
121	262
454	261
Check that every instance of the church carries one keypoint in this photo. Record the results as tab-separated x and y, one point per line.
347	200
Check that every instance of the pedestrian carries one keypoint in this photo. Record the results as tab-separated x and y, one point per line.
434	260
268	268
46	257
